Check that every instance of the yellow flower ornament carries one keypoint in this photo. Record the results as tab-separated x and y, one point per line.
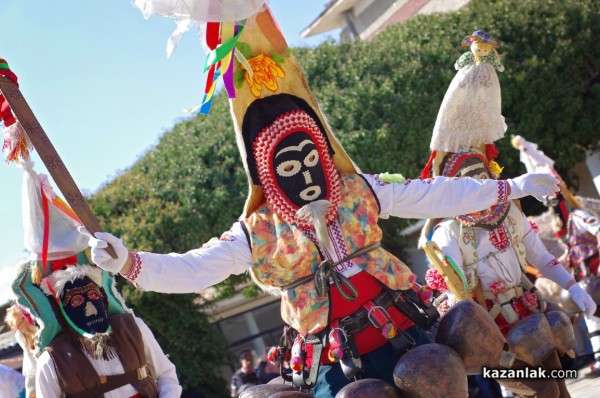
259	71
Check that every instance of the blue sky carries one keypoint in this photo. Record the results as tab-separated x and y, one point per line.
96	75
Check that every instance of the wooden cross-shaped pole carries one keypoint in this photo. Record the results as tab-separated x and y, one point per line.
49	156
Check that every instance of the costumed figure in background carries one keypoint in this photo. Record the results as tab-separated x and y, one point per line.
490	250
472	104
575	222
89	343
309	231
22	323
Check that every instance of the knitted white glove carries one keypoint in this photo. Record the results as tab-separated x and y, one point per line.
583	300
531	184
100	256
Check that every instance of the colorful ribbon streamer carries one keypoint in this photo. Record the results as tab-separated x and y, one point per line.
221	38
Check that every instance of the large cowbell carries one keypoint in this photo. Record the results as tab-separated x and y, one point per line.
416	377
470	330
531	339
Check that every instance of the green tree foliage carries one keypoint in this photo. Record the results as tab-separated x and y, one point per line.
381	99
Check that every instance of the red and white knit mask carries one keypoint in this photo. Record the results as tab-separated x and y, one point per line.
294	166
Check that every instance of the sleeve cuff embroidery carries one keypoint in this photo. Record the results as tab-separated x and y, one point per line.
503	189
136	268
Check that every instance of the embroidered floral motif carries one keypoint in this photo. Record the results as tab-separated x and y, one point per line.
534	226
499	237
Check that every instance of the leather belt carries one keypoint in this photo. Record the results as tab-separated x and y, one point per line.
356	322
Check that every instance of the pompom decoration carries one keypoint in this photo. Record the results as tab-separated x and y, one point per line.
297	364
336	339
497	287
273	355
530	300
435	280
495	168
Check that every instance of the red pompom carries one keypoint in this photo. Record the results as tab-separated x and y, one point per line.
435	280
497	287
530	300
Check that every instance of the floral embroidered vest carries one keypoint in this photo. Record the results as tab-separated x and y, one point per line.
465	236
283	253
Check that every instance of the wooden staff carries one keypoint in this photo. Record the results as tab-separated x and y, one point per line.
50	157
451	275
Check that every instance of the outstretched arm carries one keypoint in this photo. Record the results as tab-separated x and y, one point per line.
551	268
174	272
445	197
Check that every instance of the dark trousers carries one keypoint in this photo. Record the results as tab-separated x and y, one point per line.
377	364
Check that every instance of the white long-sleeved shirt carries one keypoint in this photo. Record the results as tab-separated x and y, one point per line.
494	264
203	267
47	385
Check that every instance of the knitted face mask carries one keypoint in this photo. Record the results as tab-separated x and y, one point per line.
294	166
298	169
84	305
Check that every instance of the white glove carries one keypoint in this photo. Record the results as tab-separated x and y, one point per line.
100	256
583	300
531	184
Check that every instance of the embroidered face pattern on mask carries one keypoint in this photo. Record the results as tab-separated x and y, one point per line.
294	166
84	305
298	170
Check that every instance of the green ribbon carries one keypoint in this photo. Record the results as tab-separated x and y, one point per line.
221	51
458	271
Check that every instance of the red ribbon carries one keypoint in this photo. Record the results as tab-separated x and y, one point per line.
59	265
5	111
46	235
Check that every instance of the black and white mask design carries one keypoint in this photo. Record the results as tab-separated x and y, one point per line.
84	305
298	169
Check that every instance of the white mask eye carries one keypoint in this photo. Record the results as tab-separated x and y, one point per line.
289	168
312	158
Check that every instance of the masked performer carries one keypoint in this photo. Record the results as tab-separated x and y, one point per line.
89	342
492	247
97	354
309	231
576	225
